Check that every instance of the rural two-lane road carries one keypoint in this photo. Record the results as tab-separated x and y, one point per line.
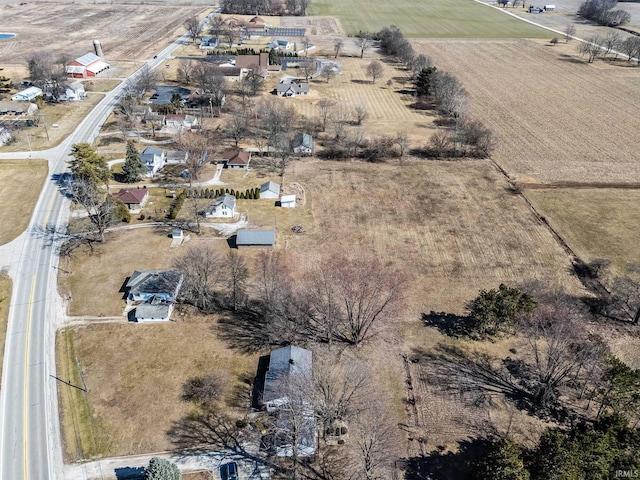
30	441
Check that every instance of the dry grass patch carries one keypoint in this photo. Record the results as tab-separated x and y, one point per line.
134	376
95	281
5	300
559	119
20	184
596	223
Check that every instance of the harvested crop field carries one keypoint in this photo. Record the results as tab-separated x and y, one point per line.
555	117
596	223
125	31
430	19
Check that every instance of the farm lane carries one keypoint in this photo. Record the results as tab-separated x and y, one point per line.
30	441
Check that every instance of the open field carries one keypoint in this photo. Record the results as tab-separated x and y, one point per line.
595	223
555	117
431	19
134	376
125	31
20	183
5	299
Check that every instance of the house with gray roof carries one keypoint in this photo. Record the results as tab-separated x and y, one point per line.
153	159
286	364
255	238
147	286
302	144
269	190
292	89
157	311
224	207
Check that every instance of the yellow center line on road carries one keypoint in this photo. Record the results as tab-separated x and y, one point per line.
26	376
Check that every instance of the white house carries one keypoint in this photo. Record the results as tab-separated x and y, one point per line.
153	159
179	122
5	136
225	207
27	95
281	45
288	201
302	144
269	190
292	89
74	92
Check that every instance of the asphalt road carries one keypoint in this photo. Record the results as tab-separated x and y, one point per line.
30	441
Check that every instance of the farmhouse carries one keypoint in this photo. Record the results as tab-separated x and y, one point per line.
255	238
269	190
15	108
285	363
153	159
146	285
302	144
292	89
224	207
281	45
73	92
133	198
235	159
88	65
288	201
27	95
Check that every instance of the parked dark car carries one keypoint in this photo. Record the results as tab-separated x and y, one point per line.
229	471
533	9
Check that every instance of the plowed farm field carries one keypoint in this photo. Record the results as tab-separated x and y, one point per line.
125	31
556	118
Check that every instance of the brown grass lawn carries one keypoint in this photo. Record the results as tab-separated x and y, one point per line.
5	299
20	183
555	117
134	375
451	228
596	223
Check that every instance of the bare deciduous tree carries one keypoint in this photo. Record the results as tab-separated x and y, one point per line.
328	74
402	141
611	42
238	126
591	47
376	439
201	266
237	276
194	145
193	27
277	118
440	142
569	32
360	113
338	43
207	390
325	107
217	28
185	71
364	43
374	70
100	206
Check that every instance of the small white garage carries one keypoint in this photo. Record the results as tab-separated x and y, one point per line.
288	201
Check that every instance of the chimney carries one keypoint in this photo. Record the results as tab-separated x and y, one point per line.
98	48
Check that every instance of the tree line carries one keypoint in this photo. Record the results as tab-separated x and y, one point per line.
604	12
265	7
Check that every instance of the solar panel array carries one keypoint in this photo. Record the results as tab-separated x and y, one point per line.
280	32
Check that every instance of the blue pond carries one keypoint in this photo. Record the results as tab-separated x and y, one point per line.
5	36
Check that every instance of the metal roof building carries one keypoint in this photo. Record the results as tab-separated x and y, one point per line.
255	238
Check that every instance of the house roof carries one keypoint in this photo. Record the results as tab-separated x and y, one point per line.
270	187
155	281
76	86
150	310
20	107
236	157
303	140
246	61
296	87
87	59
288	199
290	360
131	195
27	92
152	151
256	237
227	200
75	69
228	71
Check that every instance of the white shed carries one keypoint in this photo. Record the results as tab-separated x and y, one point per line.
269	190
288	201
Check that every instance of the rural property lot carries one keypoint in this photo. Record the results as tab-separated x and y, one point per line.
595	223
555	117
426	19
20	183
126	32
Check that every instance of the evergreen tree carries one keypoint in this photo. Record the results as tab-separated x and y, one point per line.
424	81
133	168
160	469
88	165
5	83
503	461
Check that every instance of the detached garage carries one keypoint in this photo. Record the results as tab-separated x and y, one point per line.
255	238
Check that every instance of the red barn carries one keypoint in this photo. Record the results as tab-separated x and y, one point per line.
88	65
